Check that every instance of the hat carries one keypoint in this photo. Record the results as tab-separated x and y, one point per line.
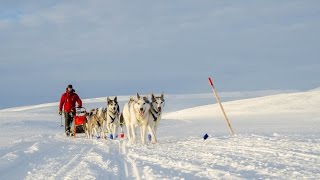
69	86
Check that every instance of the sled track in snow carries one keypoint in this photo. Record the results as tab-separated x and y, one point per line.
81	158
85	159
240	157
235	157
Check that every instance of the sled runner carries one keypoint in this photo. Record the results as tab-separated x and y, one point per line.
79	120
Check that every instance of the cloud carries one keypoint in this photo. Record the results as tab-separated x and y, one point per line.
114	43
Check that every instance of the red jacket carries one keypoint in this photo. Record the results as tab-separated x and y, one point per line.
68	101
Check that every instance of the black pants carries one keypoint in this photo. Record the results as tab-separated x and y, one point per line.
68	120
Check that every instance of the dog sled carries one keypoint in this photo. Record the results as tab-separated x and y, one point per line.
79	120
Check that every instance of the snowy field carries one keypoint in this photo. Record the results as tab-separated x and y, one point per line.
277	137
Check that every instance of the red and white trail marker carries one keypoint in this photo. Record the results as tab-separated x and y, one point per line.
219	101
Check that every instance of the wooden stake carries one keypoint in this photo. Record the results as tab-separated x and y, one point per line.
224	113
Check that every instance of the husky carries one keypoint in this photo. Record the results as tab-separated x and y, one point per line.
101	121
157	104
90	123
112	118
137	113
97	124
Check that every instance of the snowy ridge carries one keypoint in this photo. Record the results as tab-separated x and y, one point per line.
55	104
302	102
315	89
230	95
277	137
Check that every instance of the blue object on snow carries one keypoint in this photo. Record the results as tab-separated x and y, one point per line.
111	136
205	136
149	137
98	137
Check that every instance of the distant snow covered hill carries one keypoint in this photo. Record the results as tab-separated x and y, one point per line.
288	113
277	136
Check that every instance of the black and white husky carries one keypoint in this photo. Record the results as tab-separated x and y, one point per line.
137	113
157	104
112	117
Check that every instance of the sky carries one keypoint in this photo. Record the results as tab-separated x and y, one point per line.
107	48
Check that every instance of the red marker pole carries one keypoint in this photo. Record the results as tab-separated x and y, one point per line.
224	113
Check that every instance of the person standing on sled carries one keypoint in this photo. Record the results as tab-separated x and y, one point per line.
68	103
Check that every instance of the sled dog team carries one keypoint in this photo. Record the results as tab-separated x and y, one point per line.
137	112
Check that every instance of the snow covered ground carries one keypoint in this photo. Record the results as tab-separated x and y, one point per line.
277	137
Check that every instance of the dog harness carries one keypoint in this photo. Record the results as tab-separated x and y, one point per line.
113	118
115	115
98	120
155	117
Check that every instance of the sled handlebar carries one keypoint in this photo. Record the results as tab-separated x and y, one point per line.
79	110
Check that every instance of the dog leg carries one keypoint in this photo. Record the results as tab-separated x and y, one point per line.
109	127
95	129
102	130
108	132
86	130
133	132
128	131
115	132
155	128
143	134
153	135
90	130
